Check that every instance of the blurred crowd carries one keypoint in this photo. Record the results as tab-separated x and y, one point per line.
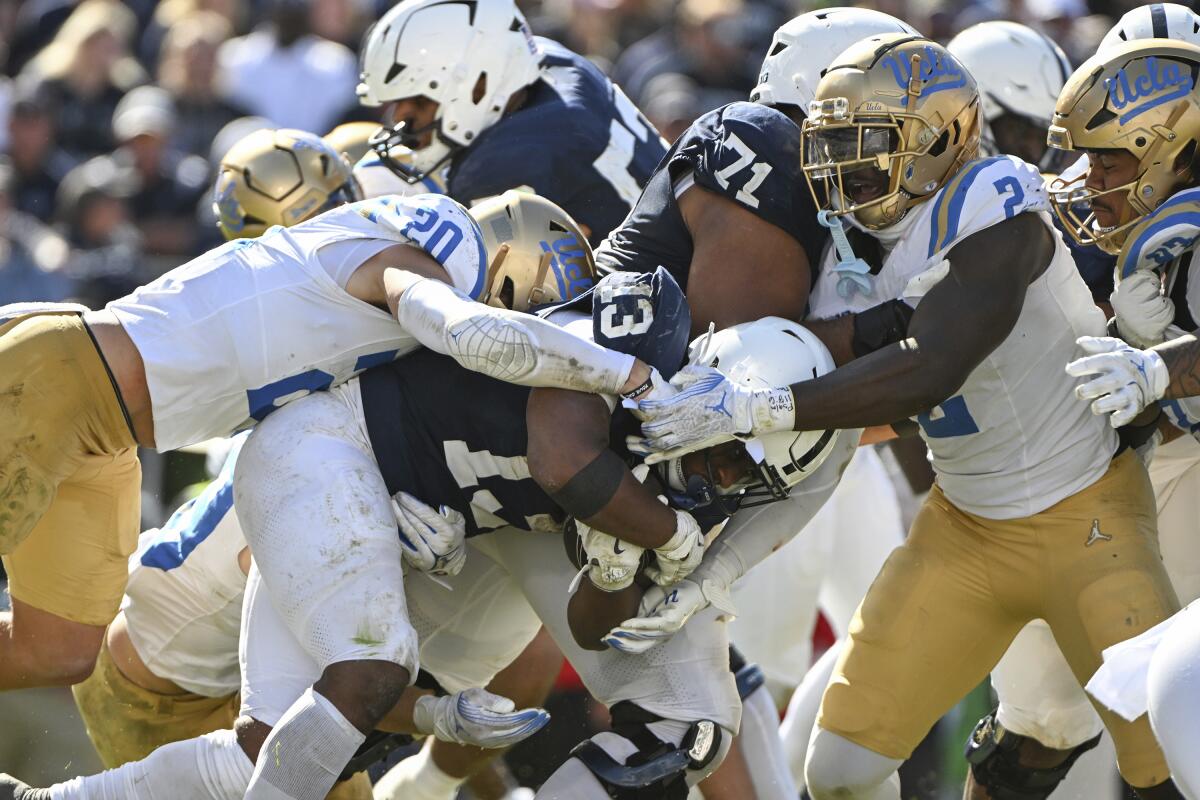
113	115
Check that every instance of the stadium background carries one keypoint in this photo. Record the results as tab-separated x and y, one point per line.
113	116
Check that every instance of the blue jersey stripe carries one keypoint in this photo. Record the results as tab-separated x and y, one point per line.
194	521
957	191
1181	209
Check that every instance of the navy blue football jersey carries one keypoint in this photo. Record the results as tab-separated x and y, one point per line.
578	141
746	152
453	437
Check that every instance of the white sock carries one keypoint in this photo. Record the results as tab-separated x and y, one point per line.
306	751
211	767
418	778
763	749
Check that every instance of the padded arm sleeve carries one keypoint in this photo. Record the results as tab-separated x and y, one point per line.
507	345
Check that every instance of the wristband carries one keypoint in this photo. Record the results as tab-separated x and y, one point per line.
641	389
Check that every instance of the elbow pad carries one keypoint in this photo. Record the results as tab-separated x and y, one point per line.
875	328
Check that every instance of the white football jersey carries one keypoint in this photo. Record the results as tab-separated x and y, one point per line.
183	601
1014	440
1165	241
376	179
232	335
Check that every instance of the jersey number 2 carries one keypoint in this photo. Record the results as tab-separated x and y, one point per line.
953	419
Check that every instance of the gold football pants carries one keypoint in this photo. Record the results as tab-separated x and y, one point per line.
126	722
947	603
70	482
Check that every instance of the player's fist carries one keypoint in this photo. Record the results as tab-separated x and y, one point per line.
1142	312
433	540
664	611
681	554
612	564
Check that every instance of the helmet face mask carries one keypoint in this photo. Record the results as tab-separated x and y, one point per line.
900	105
1139	97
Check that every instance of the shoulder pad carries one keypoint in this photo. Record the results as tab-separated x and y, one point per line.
1163	236
984	192
644	315
439	226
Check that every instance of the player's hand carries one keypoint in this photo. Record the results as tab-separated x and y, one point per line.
1123	380
477	718
664	611
1142	311
681	554
709	408
612	564
433	540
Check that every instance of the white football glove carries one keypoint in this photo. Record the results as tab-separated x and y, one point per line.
477	718
656	387
433	540
680	554
709	408
612	564
1125	381
664	611
1142	311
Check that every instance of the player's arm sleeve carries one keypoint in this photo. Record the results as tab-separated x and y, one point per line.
508	345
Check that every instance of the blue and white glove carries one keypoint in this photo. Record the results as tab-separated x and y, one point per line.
1142	311
433	540
1124	380
477	718
709	409
664	611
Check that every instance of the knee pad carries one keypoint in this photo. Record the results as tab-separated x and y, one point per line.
657	769
994	755
749	676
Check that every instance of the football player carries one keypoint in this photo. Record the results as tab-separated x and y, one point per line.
728	213
422	433
167	669
473	95
1038	512
1049	719
215	345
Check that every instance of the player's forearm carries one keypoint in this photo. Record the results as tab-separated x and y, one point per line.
513	347
1182	357
894	383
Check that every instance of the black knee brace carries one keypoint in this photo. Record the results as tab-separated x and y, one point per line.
375	748
994	756
657	770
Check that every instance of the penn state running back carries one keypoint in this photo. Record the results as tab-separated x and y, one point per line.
475	95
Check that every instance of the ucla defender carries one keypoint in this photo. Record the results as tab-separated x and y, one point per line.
212	346
475	96
1043	713
1023	477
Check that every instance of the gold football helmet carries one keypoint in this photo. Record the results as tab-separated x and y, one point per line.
352	139
539	255
900	106
1140	97
279	177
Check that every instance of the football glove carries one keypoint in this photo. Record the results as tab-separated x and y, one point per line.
1122	380
433	540
477	718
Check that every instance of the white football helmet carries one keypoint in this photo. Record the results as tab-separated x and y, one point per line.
469	57
804	46
1019	71
770	352
1154	21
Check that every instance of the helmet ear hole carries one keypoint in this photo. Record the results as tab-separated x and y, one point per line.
480	89
1185	162
508	291
939	146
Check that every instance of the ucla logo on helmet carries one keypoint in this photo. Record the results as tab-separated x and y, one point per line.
567	258
1159	82
939	72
